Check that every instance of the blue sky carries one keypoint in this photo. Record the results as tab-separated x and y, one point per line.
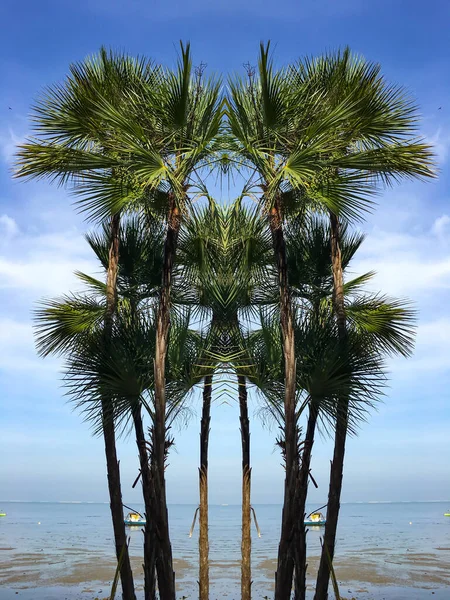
47	453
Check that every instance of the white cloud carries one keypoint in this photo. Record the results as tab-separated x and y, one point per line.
410	255
9	141
44	264
17	350
441	226
432	352
9	226
404	265
408	245
441	145
14	333
434	333
32	266
38	257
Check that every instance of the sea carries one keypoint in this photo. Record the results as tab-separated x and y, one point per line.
65	550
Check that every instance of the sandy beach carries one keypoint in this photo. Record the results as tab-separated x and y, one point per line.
378	575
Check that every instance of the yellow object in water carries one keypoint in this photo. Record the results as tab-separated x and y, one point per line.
134	518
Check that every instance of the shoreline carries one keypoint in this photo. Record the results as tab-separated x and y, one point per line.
378	574
101	592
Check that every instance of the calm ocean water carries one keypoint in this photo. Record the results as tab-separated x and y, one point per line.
368	531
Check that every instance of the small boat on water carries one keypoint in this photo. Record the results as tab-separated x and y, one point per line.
447	514
2	514
135	519
315	519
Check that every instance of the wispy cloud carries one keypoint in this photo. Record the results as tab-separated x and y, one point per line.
405	264
408	245
34	264
9	140
42	274
431	356
17	352
42	264
8	226
440	140
441	227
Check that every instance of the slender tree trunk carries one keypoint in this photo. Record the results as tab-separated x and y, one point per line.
246	544
149	532
300	545
164	564
112	464
285	566
115	495
203	543
337	465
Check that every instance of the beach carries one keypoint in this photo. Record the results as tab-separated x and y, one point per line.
64	551
40	577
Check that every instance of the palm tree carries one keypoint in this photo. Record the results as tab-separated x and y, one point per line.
127	374
262	127
319	135
196	121
375	145
377	326
144	151
247	273
322	374
75	142
138	281
220	269
72	326
196	277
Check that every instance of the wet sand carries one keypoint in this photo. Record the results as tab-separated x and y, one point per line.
27	569
383	568
379	574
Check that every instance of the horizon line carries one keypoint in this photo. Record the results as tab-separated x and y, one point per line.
225	504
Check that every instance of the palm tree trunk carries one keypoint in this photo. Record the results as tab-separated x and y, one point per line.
285	566
149	532
300	545
246	544
337	466
115	495
164	564
203	543
112	464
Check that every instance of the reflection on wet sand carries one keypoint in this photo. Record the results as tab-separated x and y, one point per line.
377	567
381	568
